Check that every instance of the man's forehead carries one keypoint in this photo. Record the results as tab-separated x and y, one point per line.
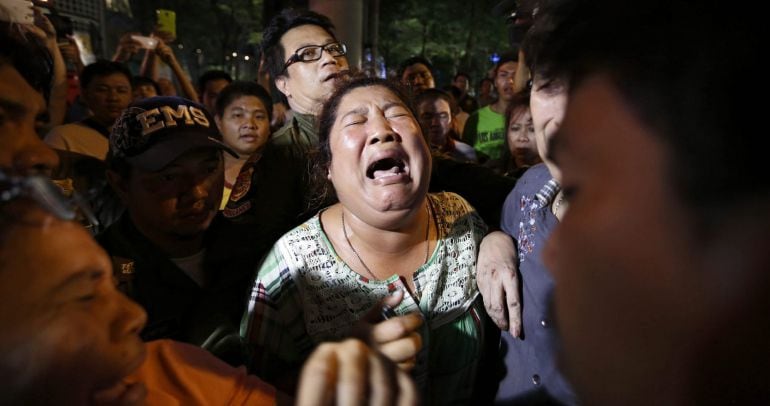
14	89
437	104
215	85
246	101
509	66
417	67
304	35
195	156
111	77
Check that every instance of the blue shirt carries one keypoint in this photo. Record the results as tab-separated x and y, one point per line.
531	361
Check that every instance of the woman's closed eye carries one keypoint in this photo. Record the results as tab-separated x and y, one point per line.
396	112
354	120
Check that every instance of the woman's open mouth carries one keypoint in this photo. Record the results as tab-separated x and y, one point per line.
385	167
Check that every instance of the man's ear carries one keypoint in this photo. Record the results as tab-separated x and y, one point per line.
218	120
119	185
282	84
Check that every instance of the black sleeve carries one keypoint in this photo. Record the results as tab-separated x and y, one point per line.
480	186
470	129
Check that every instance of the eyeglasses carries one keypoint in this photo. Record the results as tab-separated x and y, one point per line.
48	195
312	53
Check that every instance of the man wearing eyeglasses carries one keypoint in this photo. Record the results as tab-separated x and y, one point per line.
305	60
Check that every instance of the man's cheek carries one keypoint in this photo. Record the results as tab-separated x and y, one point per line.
159	188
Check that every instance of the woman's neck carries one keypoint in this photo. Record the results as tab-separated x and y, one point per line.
388	241
379	253
525	158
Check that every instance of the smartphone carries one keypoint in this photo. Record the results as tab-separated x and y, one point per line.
146	42
166	21
17	11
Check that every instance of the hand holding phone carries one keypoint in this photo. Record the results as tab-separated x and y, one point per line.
145	42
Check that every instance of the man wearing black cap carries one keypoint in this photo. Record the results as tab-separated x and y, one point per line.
165	164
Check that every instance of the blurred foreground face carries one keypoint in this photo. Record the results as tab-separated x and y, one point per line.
622	257
22	116
65	330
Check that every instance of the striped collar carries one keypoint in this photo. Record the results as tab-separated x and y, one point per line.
548	192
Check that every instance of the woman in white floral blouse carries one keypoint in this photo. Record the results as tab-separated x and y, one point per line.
385	237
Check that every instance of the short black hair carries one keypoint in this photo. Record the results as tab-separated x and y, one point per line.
137	81
434	94
103	68
242	88
210	75
413	61
505	58
685	68
289	18
28	56
458	74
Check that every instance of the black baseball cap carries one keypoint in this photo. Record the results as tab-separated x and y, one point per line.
152	133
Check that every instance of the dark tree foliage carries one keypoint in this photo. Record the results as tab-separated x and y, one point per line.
456	35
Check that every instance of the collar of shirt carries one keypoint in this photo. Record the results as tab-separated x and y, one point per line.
548	192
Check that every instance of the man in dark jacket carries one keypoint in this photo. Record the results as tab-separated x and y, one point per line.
166	165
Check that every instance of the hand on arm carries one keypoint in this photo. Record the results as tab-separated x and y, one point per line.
496	275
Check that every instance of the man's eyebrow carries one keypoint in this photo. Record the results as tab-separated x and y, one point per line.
254	110
87	276
13	108
313	44
359	110
17	110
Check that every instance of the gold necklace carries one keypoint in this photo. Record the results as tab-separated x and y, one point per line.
428	208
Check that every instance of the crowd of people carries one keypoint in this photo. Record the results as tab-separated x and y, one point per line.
596	234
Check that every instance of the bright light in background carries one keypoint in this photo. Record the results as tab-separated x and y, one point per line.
246	57
235	54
